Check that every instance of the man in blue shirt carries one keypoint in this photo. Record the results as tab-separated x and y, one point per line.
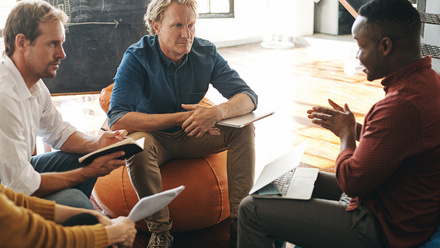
158	86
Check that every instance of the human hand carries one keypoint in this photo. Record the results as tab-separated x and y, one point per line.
201	121
110	137
101	218
121	232
103	165
338	120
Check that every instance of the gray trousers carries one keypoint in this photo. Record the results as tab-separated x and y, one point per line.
161	147
319	222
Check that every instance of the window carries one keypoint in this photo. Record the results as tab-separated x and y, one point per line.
216	8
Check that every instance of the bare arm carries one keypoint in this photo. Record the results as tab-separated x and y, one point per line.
80	143
55	181
204	118
239	104
358	130
135	121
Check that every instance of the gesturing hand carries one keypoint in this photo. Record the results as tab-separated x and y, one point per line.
338	120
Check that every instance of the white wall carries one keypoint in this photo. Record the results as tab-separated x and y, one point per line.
253	21
246	26
327	17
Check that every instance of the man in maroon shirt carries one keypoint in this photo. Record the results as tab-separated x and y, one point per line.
390	179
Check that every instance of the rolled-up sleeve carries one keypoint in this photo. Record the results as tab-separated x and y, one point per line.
228	82
53	129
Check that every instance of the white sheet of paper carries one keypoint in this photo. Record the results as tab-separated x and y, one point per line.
153	203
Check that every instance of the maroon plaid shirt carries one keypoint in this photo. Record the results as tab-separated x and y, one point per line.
395	170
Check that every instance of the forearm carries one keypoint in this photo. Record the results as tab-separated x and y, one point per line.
135	121
63	213
358	130
239	104
80	143
348	139
55	181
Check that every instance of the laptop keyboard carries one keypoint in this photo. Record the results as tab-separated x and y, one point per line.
283	181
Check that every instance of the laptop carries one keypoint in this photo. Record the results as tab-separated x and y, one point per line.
244	120
284	179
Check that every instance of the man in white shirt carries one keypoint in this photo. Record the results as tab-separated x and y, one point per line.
34	34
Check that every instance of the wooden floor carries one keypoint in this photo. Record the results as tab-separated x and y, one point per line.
288	81
293	80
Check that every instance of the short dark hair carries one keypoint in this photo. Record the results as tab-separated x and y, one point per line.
394	19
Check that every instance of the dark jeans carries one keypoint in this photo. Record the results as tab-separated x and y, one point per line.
319	222
79	195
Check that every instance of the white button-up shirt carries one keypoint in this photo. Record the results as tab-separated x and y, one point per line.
24	114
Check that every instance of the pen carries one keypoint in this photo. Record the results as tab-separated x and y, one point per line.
103	129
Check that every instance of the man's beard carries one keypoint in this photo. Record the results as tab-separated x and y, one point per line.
49	72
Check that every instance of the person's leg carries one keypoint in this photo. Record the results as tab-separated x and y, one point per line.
79	195
146	179
240	160
60	161
241	164
160	147
314	223
70	197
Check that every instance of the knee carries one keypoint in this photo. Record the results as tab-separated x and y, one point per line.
71	197
241	136
246	206
149	142
148	137
248	131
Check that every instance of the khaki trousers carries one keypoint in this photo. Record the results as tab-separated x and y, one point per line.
161	147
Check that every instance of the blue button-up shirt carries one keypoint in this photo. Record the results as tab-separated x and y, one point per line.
148	82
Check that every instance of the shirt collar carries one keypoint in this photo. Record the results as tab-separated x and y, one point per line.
22	90
396	77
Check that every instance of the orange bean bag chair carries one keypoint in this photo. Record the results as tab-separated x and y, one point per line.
203	203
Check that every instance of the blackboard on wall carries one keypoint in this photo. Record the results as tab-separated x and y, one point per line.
97	35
